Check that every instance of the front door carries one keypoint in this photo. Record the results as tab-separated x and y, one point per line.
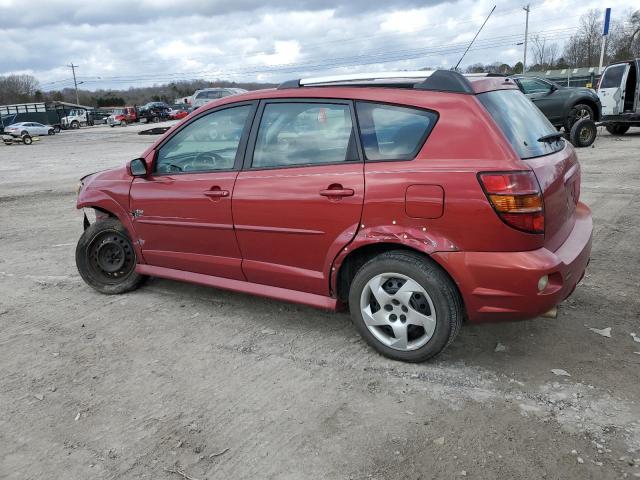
299	200
611	89
544	96
182	210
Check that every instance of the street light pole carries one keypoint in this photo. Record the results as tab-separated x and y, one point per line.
526	34
73	69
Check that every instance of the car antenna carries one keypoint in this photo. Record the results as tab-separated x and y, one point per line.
474	38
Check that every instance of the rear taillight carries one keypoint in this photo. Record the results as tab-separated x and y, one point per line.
516	198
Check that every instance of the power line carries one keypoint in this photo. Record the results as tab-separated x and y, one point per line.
306	48
310	67
497	41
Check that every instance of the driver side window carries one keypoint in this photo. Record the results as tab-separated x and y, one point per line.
207	144
533	85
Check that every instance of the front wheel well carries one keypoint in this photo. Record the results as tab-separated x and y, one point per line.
590	103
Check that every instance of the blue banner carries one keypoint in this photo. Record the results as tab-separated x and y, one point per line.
607	18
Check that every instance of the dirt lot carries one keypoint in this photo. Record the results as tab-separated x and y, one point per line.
173	375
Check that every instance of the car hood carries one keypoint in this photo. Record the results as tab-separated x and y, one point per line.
109	175
582	91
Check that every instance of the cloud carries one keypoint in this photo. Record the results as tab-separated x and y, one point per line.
53	12
118	44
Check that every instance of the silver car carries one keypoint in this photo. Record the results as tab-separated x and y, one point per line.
32	128
206	95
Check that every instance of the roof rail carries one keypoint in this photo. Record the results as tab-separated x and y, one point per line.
486	74
435	80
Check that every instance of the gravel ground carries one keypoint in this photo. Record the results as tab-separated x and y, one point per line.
218	385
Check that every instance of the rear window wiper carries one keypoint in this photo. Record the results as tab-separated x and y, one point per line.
551	136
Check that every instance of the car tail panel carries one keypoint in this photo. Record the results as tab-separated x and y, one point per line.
559	177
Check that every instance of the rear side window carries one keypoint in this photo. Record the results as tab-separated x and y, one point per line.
391	132
292	134
613	77
522	123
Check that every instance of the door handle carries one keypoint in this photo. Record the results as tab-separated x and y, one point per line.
337	192
217	193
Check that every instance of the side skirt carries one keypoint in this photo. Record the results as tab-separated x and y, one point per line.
313	300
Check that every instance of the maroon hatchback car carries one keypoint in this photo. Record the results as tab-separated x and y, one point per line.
417	199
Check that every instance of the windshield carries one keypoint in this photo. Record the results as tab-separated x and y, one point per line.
522	123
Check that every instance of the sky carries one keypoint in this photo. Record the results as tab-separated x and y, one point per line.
125	43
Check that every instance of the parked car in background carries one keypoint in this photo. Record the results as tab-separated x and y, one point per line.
29	128
206	95
122	116
563	106
100	117
177	114
154	112
619	92
264	193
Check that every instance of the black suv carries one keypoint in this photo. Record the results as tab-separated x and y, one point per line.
563	106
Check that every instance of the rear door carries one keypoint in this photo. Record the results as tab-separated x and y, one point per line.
182	211
611	88
299	199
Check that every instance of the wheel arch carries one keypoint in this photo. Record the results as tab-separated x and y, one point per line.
351	263
590	103
109	208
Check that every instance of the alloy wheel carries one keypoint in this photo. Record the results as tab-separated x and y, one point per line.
398	311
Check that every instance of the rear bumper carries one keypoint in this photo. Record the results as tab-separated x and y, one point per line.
499	286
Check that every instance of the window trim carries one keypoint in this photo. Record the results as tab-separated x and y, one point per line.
422	142
251	144
242	145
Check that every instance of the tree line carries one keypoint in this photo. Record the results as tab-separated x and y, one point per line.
581	50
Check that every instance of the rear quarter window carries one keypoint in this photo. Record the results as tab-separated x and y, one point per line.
521	122
392	132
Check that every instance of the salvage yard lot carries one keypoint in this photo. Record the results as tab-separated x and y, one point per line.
169	376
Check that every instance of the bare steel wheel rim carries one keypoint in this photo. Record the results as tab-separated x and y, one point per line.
111	257
585	134
398	311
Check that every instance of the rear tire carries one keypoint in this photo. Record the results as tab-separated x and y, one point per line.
27	140
583	133
23	133
405	306
617	128
51	132
578	112
106	259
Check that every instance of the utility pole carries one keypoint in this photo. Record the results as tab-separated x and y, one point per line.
73	69
526	34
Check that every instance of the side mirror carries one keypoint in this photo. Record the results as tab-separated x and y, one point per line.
553	88
138	167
